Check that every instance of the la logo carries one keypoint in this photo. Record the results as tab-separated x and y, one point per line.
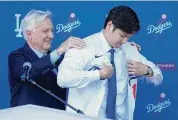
18	27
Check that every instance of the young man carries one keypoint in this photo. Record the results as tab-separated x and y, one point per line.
98	75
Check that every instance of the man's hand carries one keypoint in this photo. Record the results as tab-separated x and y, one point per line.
106	72
71	42
136	45
136	68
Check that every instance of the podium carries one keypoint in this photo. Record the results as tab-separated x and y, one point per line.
33	112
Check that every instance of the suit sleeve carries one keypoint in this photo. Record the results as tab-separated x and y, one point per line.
39	67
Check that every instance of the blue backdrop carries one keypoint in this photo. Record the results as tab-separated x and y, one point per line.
159	22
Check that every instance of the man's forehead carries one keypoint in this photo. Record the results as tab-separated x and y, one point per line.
46	24
124	33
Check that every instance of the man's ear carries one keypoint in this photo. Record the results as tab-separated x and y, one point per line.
110	26
28	33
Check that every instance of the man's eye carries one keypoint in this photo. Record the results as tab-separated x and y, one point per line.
45	31
123	35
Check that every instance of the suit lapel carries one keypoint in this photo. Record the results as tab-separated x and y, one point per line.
34	57
30	52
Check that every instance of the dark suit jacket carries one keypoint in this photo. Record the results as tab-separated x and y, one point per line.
25	93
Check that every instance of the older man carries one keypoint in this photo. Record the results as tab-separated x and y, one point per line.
38	32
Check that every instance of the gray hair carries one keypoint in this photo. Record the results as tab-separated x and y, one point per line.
32	19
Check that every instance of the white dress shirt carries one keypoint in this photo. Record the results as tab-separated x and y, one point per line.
87	92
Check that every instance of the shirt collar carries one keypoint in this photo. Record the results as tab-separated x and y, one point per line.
105	44
38	53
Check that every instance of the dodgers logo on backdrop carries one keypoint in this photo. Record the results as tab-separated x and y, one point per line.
162	25
18	28
158	107
72	24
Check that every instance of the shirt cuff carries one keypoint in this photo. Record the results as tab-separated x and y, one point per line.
157	76
54	57
93	75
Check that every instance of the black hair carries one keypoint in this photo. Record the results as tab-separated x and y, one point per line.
123	18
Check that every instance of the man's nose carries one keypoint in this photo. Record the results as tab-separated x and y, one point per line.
125	40
51	34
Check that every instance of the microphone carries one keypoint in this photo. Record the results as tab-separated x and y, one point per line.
25	77
25	73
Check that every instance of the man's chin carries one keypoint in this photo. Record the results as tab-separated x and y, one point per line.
118	46
47	48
